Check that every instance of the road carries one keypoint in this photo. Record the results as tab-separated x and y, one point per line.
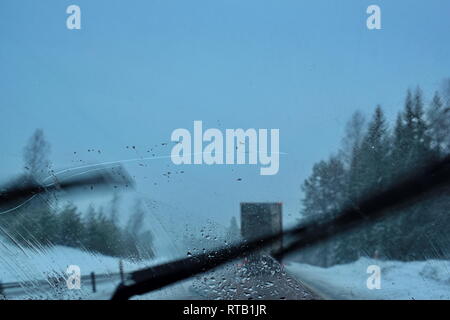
251	281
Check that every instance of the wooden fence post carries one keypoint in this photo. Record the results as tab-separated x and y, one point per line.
94	289
122	278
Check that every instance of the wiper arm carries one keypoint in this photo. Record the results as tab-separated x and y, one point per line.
96	179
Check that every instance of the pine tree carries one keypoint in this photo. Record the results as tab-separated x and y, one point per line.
114	207
374	155
35	156
398	145
439	125
324	190
70	227
92	238
353	137
233	232
36	224
145	245
138	242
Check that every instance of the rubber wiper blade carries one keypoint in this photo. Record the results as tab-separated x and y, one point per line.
98	178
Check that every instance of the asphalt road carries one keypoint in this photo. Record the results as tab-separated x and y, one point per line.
251	281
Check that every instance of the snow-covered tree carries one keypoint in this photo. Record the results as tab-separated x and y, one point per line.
233	232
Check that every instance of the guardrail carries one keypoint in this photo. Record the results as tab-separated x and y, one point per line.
22	287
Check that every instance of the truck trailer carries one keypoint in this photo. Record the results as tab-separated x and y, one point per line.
261	219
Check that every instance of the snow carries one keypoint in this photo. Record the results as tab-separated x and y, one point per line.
20	264
28	264
419	280
399	280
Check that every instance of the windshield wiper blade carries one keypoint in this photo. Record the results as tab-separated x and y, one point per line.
412	188
74	180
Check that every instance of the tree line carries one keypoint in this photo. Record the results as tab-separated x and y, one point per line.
43	222
373	155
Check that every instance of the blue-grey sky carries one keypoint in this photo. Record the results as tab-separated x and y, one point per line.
137	70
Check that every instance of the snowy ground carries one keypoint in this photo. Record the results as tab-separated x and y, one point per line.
399	280
420	280
29	265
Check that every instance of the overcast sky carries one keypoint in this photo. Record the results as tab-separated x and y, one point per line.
137	70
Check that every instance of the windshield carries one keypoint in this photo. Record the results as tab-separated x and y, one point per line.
143	132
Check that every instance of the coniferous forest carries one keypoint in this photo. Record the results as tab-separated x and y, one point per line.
374	154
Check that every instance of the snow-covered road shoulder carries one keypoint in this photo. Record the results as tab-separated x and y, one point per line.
420	280
29	266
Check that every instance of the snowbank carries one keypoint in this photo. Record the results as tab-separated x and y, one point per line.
420	280
29	264
19	264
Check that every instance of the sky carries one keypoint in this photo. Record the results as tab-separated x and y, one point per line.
137	70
